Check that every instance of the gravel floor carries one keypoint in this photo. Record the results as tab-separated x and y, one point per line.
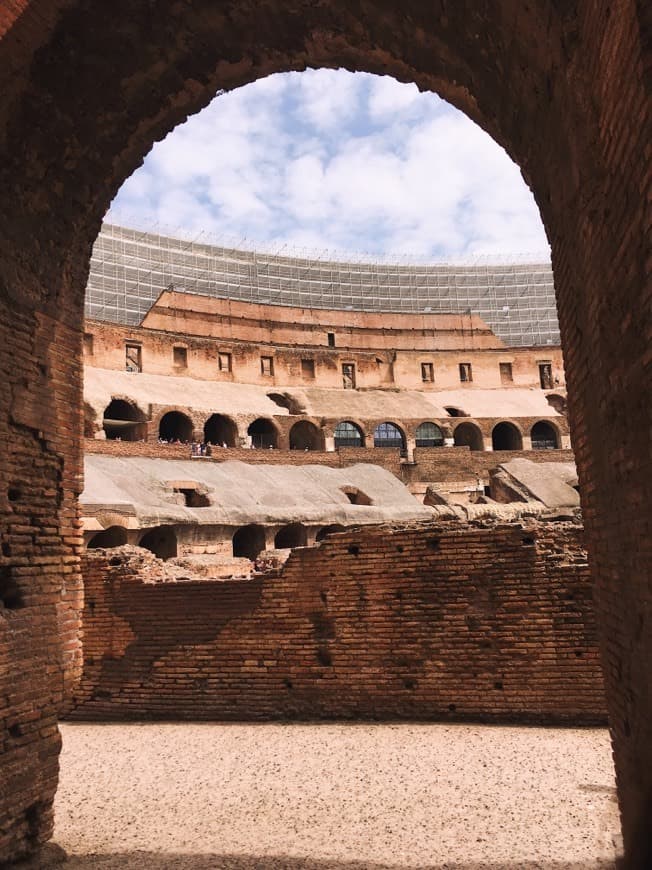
327	796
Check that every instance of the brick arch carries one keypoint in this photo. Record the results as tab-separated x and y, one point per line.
544	422
535	80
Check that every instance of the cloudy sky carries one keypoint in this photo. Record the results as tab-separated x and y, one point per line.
330	160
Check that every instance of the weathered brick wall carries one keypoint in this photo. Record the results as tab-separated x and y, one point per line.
40	580
422	622
445	464
564	87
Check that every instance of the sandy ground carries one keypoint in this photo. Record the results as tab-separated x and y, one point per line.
327	796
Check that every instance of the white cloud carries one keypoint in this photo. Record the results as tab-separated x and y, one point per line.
328	159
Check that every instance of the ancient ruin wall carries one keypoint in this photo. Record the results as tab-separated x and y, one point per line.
421	622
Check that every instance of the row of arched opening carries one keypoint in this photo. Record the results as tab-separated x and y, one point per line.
504	436
248	541
124	421
160	540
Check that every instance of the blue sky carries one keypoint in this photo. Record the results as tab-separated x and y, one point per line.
330	160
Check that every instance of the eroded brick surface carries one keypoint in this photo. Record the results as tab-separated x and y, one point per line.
487	623
88	86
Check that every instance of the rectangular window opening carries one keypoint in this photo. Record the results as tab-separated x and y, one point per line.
88	343
267	365
545	375
308	368
331	339
466	375
224	363
348	376
180	357
427	373
506	375
134	358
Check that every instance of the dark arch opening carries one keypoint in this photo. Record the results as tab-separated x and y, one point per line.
455	412
123	421
114	536
220	430
292	535
347	434
505	436
544	436
175	426
468	435
328	530
161	540
304	435
429	435
389	435
249	541
263	434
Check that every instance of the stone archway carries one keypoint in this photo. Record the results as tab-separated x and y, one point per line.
533	76
304	435
506	436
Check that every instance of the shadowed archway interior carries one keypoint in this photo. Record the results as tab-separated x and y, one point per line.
87	87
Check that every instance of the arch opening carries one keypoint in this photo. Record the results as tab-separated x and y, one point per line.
304	435
161	540
468	435
114	536
249	541
220	430
389	435
544	436
348	434
123	421
290	536
175	427
263	434
429	435
505	436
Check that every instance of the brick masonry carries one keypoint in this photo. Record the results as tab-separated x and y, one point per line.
483	623
564	87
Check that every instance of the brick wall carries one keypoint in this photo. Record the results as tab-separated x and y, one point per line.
419	622
435	464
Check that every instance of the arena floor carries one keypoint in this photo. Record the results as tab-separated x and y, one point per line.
335	797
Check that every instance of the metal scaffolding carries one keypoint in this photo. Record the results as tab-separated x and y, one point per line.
130	268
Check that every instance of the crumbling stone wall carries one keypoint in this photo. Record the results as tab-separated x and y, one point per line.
419	622
565	87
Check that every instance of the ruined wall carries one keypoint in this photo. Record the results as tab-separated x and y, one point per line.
383	354
40	580
482	623
564	87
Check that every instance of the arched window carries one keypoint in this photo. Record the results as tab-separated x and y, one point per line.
389	435
175	426
505	436
304	435
123	421
429	435
468	435
544	436
249	541
161	540
220	430
114	536
263	433
347	434
293	535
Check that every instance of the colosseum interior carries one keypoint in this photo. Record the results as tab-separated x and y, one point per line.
390	449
